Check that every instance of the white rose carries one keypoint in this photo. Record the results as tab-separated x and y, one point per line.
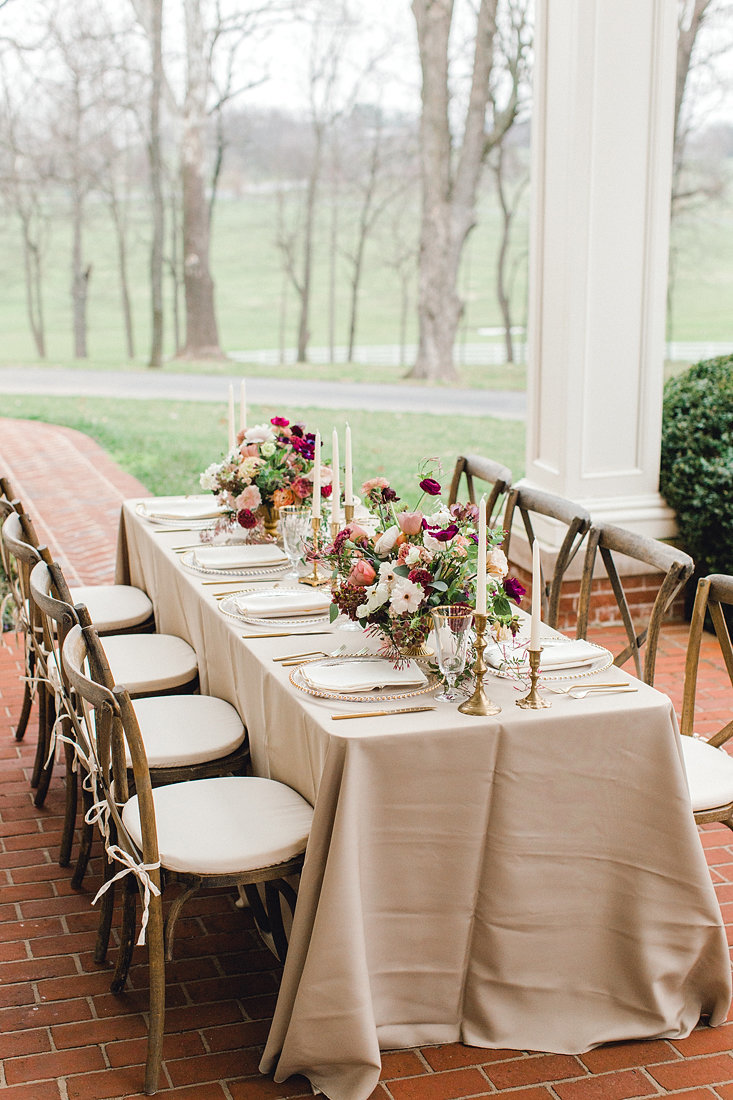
268	449
260	433
386	541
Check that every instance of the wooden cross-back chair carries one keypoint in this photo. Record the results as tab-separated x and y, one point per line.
20	616
204	833
708	765
674	568
529	503
497	478
187	736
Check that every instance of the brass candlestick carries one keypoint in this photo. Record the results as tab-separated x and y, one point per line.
348	513
315	578
335	528
533	700
479	703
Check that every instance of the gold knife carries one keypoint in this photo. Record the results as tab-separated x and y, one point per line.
380	713
286	634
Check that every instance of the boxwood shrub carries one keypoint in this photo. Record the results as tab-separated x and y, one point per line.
697	461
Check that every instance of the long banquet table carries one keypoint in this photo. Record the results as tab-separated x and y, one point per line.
532	880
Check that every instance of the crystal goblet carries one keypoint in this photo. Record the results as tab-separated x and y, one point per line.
452	632
295	525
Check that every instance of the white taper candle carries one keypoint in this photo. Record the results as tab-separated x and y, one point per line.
316	513
481	559
336	479
534	628
348	470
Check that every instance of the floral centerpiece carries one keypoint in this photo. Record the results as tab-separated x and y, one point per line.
417	559
270	466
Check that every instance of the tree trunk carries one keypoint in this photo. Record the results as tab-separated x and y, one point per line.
202	334
311	199
118	222
33	297
80	277
156	187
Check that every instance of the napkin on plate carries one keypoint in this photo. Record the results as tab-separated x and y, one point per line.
183	508
238	557
361	675
276	602
555	655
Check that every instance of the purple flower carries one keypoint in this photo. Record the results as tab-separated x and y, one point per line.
279	421
514	589
388	494
430	486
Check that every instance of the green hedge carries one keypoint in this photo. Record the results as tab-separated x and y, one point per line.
697	461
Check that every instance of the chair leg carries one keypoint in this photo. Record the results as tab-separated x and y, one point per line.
85	844
25	713
127	935
173	915
42	743
72	794
156	1025
274	891
106	912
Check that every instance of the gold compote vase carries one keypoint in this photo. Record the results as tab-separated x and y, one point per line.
270	519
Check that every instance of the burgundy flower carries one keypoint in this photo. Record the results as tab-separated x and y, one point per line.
297	430
326	490
279	421
246	519
441	534
430	486
389	495
420	576
514	589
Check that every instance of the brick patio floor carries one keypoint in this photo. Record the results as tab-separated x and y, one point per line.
64	1036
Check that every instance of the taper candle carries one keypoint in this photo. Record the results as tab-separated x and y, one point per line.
316	512
336	478
348	470
242	405
232	433
534	628
481	559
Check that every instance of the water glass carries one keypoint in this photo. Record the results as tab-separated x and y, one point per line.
452	632
295	525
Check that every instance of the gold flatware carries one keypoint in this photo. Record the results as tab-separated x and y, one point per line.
380	713
300	656
286	634
579	691
239	582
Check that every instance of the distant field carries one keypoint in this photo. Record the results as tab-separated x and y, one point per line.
167	444
249	289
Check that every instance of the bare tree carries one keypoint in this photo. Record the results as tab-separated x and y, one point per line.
451	164
503	164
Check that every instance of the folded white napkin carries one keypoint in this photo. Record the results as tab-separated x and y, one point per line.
239	556
555	655
183	508
274	602
366	675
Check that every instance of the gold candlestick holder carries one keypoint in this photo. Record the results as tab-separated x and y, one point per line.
316	577
348	512
533	700
479	702
334	528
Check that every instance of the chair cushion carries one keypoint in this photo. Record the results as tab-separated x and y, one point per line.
221	826
114	606
187	729
144	663
709	774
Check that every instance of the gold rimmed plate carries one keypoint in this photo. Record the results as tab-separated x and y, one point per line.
518	668
298	678
275	622
242	573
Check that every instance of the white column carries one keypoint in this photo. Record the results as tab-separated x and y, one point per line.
602	164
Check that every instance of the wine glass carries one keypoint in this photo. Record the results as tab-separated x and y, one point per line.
295	524
451	628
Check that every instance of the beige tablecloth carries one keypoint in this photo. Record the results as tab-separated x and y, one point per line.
533	880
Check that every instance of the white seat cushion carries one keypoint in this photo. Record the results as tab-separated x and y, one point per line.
114	606
709	774
221	826
187	729
144	663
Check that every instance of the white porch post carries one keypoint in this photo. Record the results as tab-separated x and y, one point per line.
602	163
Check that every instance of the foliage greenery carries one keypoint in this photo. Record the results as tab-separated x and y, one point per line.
697	460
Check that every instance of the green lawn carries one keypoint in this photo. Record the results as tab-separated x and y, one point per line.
167	444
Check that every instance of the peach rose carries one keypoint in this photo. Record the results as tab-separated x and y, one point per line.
282	497
362	574
496	563
356	531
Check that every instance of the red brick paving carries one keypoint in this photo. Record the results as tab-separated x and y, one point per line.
64	1036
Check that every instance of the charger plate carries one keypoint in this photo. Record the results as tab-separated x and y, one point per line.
242	573
386	696
597	664
178	523
229	607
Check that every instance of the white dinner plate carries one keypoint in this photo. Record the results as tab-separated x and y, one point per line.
242	573
299	673
229	607
182	522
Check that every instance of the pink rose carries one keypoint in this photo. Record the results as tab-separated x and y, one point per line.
362	574
410	522
250	451
250	498
356	531
302	487
496	563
